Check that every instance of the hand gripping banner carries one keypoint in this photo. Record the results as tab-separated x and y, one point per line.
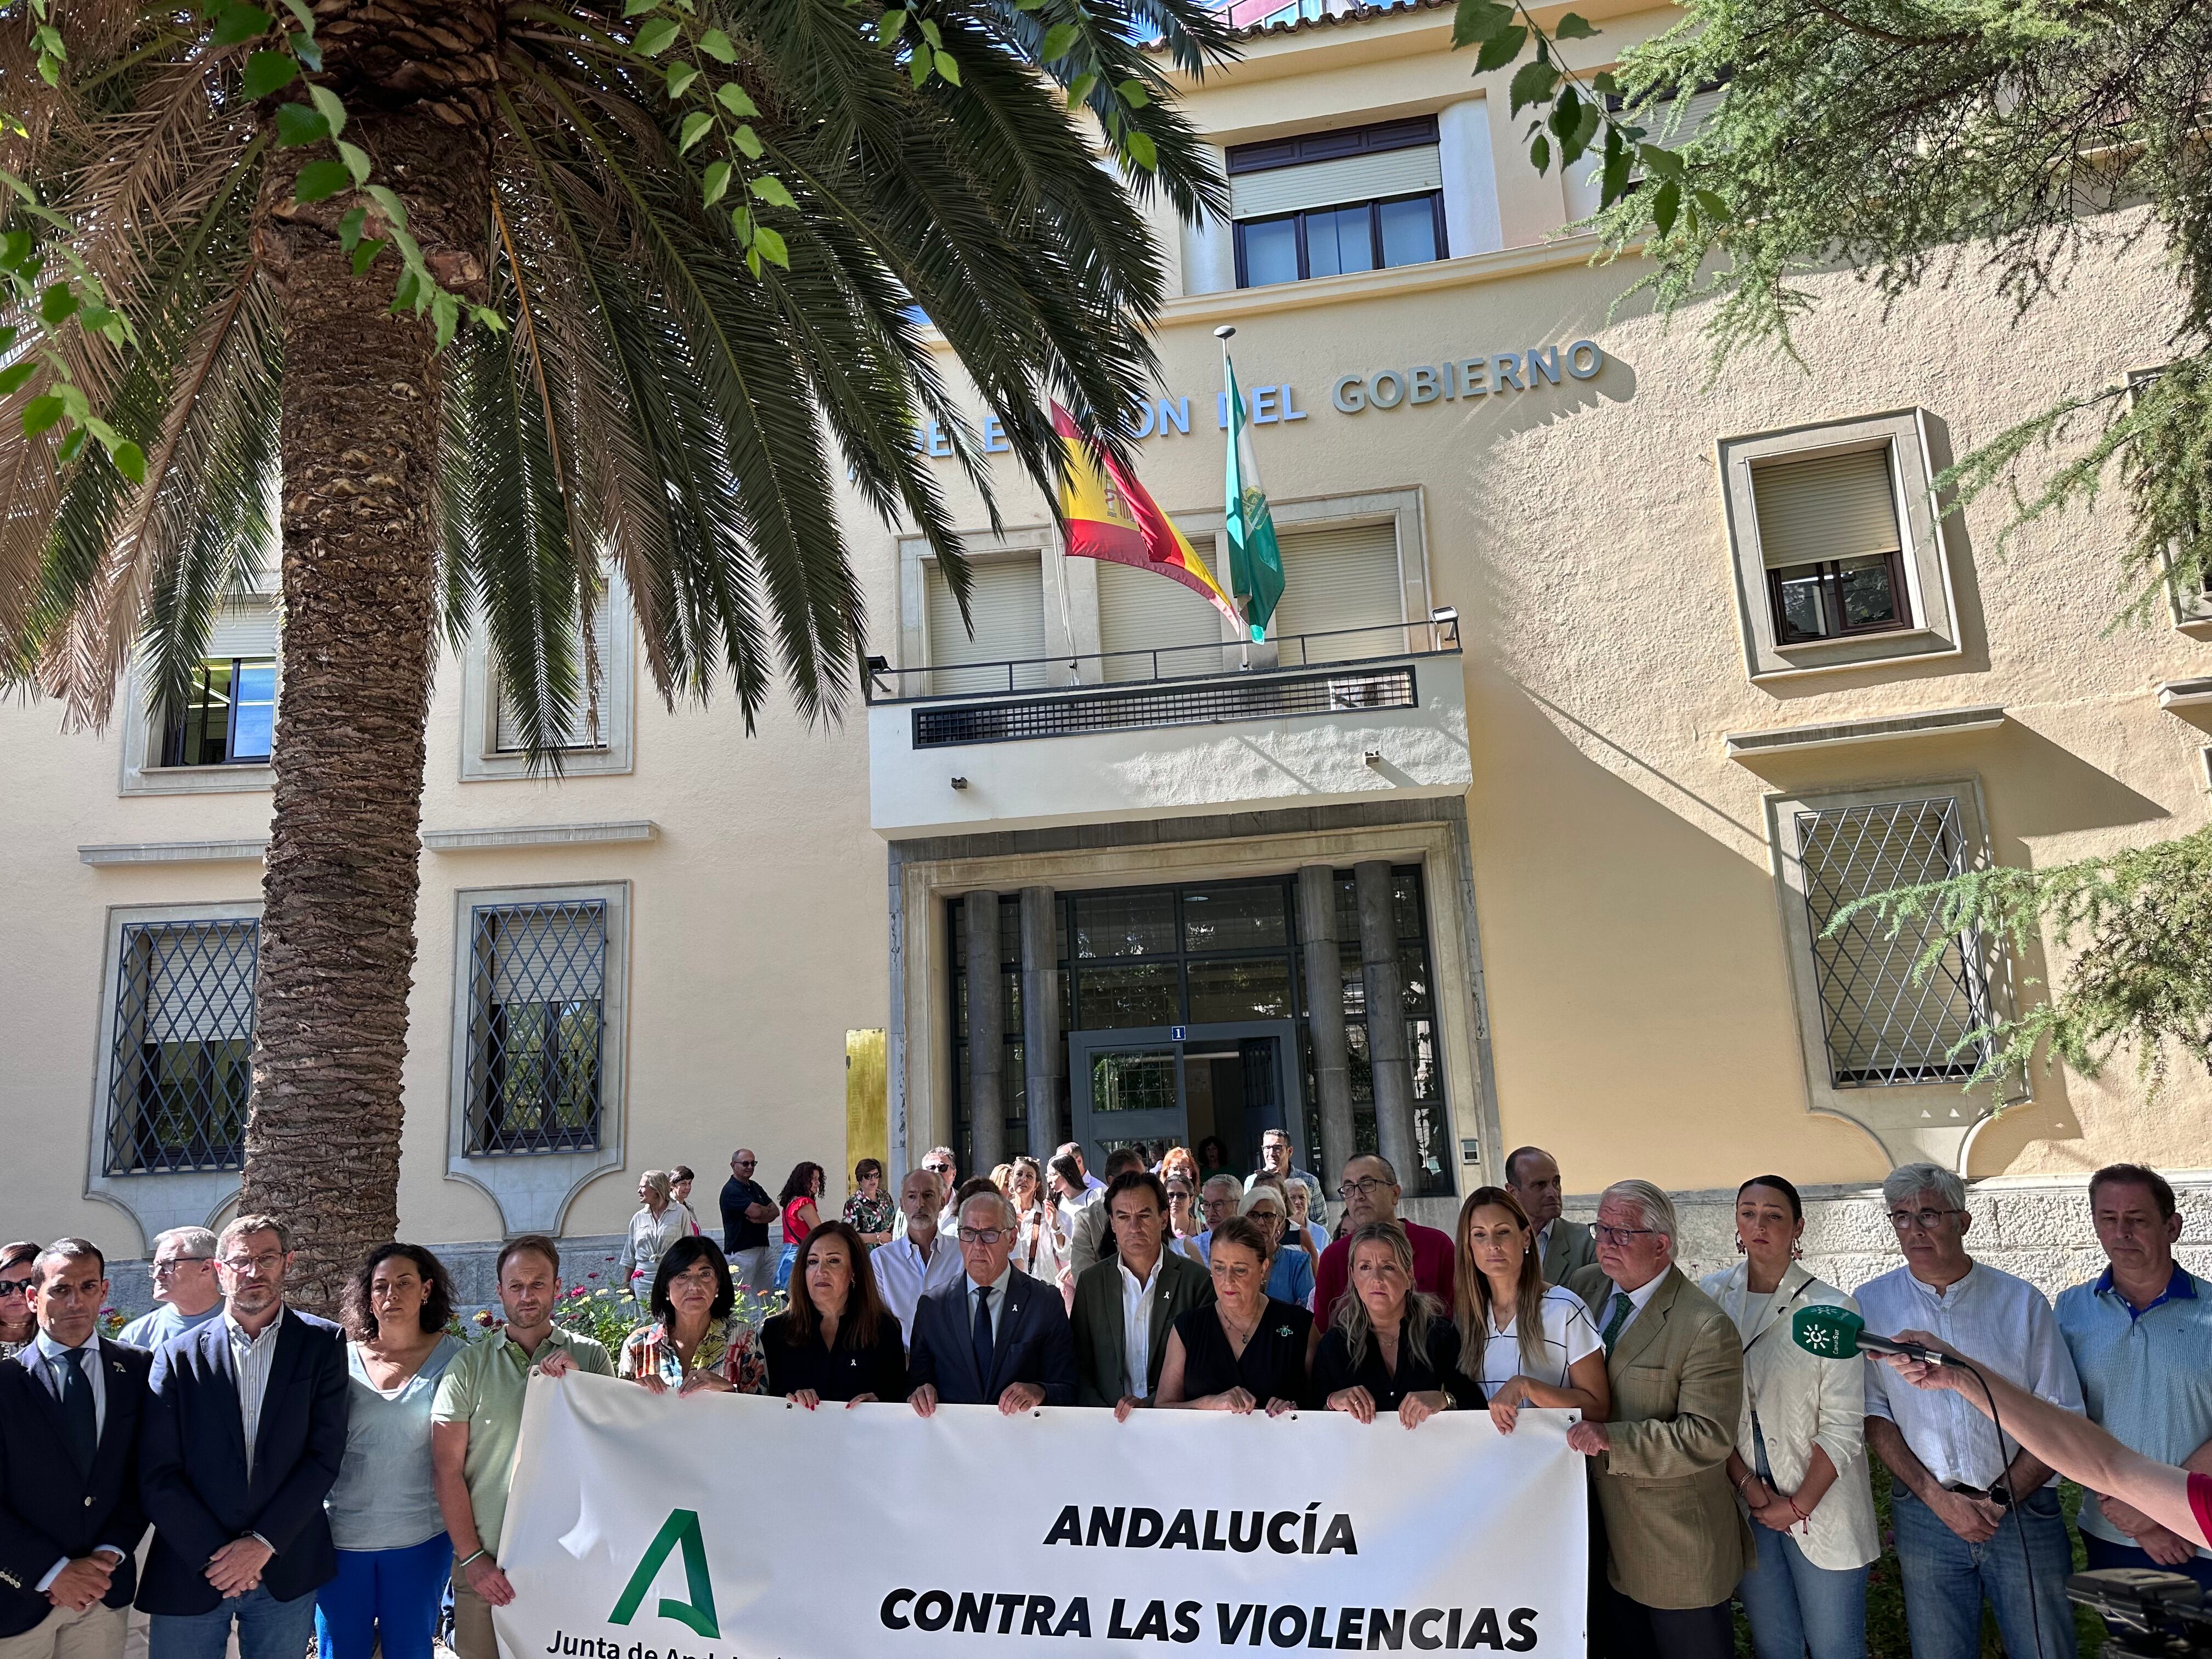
732	1527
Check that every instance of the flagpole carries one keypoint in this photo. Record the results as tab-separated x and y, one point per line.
1223	334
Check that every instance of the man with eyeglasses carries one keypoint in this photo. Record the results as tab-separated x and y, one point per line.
995	1336
245	1427
70	1405
1276	1159
1669	1544
185	1293
1963	1498
1370	1193
746	1212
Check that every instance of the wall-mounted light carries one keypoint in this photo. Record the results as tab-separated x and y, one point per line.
959	783
1374	757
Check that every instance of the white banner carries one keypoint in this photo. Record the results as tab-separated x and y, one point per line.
732	1527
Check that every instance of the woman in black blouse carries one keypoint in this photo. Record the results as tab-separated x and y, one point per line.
834	1341
1247	1350
1390	1347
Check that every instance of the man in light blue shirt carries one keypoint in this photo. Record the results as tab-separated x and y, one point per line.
183	1286
2140	1336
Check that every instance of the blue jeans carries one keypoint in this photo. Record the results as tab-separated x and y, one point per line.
784	1260
1794	1605
267	1629
2103	1555
1946	1580
394	1593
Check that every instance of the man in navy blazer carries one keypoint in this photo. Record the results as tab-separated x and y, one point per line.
71	1407
245	1427
994	1335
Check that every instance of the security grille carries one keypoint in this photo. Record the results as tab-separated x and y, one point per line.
537	1010
180	1071
1883	1025
1212	703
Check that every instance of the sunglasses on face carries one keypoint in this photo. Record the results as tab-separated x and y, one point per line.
15	1286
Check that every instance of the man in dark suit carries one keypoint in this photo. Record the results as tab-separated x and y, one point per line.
246	1426
1673	1541
1124	1305
70	1405
994	1335
1564	1248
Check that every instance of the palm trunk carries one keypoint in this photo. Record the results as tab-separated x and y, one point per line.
359	449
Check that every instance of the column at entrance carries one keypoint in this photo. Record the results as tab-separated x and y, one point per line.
1387	1052
986	1051
1044	1056
1325	1015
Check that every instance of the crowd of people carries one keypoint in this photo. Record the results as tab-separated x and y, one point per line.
229	1461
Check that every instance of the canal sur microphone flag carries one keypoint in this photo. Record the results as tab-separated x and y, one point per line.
1255	563
1113	517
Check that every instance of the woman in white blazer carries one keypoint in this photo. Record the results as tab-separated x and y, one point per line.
1799	1464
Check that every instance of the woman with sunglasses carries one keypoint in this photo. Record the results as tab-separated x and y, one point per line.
18	1324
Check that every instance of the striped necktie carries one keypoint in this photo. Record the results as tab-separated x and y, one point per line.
1622	1307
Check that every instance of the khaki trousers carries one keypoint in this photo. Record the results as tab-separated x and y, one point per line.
95	1633
472	1632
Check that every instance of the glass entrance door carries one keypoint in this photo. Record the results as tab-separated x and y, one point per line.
1175	1085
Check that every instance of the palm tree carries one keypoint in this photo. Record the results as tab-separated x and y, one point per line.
662	403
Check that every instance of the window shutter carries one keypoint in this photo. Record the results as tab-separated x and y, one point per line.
508	738
1141	611
549	953
1341	578
200	986
244	629
1008	599
1832	506
1325	183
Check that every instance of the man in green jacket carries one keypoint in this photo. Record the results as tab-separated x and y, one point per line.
1124	1306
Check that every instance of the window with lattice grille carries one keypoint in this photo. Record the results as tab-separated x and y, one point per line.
179	1076
1884	1025
537	1025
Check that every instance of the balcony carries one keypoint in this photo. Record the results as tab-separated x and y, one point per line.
1310	720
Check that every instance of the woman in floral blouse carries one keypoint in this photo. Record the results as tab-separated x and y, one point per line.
691	1344
871	1211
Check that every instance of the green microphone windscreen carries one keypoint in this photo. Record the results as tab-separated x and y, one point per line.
1831	1333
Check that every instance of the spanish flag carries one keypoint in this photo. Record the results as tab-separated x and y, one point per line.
1114	518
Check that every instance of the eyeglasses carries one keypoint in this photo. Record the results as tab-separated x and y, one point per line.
1362	1187
1926	1220
982	1235
1606	1235
744	1163
16	1286
263	1265
939	1169
163	1269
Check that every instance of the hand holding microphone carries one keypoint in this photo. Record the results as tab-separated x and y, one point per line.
1837	1333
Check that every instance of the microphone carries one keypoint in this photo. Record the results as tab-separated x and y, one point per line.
1837	1333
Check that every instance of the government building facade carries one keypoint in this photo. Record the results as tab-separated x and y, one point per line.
1600	684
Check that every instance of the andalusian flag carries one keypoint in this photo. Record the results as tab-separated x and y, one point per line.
1114	518
1255	563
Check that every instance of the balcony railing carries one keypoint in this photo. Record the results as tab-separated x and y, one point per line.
1105	671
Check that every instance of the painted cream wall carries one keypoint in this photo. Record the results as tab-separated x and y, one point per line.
1641	1019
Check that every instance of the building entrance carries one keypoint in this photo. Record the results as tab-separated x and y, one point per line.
1174	1085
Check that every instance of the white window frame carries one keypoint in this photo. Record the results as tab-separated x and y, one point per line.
164	1198
1913	1118
1039	542
141	772
483	762
534	1190
1933	630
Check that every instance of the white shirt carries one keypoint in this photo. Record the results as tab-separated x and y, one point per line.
1569	1336
1137	1326
1092	1184
52	1372
2004	1323
998	1287
249	1361
903	1278
1638	1300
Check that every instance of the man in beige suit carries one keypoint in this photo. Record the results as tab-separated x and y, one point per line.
1563	1247
1676	1544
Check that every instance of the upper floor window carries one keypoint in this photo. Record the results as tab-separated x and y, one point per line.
536	1014
1006	600
1329	203
229	717
1834	556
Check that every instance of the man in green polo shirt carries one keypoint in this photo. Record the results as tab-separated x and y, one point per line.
478	1418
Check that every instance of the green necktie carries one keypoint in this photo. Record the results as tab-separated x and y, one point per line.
1622	1307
